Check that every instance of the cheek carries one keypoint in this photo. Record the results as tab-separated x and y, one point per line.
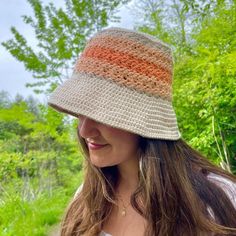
125	143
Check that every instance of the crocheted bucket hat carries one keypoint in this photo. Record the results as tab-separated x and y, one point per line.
122	79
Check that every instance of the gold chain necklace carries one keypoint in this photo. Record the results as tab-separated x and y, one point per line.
124	207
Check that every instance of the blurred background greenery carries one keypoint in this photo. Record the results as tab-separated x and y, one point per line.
40	164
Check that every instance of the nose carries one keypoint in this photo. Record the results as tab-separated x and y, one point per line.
87	127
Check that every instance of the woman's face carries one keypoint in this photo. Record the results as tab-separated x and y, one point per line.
107	146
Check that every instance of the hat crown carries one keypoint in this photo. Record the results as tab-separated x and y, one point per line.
131	59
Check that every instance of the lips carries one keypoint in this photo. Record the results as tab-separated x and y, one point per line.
96	146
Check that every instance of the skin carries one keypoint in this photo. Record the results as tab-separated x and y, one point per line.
120	146
121	149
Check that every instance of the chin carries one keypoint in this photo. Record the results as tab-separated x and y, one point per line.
100	164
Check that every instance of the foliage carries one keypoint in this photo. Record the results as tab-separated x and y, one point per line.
61	35
35	217
204	85
203	37
40	165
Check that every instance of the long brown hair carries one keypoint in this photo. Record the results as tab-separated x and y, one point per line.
172	180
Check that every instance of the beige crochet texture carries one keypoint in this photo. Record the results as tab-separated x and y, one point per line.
123	79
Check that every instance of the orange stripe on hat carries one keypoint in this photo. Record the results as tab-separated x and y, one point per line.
128	61
135	49
124	77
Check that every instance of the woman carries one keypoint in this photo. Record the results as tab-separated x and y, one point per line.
141	178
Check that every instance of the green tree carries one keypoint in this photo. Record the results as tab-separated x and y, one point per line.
205	87
61	35
202	34
38	149
5	99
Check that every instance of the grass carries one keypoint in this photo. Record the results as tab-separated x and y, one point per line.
36	217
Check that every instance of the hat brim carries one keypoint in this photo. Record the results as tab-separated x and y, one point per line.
117	106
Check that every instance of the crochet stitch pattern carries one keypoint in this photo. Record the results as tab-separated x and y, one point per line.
123	79
130	61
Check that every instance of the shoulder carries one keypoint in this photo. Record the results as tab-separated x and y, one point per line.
225	184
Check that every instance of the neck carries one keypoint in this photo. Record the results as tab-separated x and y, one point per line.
128	176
